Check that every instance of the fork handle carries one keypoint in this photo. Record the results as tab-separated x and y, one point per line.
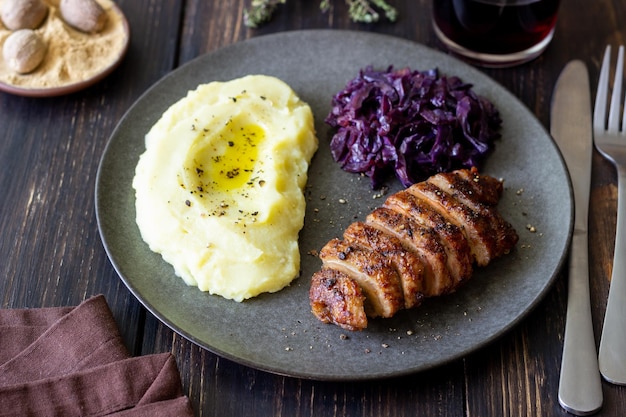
612	352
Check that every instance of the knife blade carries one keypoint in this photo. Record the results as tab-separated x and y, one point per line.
580	386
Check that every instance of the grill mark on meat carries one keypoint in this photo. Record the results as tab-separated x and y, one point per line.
471	186
459	257
460	190
481	194
336	298
422	241
378	279
477	228
407	264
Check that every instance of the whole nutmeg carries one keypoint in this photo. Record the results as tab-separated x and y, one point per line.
23	14
24	50
85	15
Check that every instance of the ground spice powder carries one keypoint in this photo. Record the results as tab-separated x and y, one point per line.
72	56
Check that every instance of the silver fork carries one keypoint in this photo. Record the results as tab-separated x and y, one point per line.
610	140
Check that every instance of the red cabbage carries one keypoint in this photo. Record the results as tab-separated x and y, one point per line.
411	123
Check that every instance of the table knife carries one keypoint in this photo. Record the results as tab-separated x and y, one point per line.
580	385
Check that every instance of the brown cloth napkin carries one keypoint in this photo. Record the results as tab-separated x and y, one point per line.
71	361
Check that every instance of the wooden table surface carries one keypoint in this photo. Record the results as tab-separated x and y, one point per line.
51	253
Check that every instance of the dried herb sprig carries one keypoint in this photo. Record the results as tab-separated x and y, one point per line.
365	11
260	11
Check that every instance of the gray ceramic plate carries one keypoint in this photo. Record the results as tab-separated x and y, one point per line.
276	332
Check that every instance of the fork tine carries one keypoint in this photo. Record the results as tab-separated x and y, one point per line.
624	108
616	100
599	111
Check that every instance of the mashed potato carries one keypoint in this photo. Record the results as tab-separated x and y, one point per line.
219	189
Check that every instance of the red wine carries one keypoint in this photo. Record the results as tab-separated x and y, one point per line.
496	27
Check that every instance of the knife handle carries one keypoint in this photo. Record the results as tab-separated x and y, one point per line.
580	385
613	342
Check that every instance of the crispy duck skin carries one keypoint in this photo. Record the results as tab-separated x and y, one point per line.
477	228
470	186
482	193
423	242
336	298
489	235
372	271
459	257
408	265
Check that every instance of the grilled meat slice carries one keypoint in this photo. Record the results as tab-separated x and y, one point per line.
421	240
459	258
478	229
471	186
481	194
407	264
336	298
374	273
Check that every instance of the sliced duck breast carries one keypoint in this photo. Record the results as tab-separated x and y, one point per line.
481	194
477	228
408	264
374	273
474	188
422	241
336	298
459	257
